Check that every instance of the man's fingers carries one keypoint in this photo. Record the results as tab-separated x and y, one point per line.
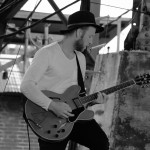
65	116
69	114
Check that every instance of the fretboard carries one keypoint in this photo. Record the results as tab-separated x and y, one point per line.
107	91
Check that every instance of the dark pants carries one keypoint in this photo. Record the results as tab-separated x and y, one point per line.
87	133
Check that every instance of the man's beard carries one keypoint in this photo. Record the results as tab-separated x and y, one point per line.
78	45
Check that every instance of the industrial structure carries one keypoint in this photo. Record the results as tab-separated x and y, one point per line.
29	31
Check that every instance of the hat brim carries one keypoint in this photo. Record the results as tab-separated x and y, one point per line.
98	28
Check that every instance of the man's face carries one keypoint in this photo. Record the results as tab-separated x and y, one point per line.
85	40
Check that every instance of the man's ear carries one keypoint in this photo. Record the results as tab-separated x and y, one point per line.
79	33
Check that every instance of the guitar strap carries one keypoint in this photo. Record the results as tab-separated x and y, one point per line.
80	78
81	83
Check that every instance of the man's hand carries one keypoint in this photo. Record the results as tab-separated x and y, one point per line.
102	98
61	109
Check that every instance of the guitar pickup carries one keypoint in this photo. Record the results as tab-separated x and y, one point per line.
77	102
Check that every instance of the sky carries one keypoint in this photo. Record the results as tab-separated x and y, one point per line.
113	43
115	8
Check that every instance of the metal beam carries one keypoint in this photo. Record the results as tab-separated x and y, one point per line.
2	31
85	5
60	14
16	61
55	21
11	63
9	8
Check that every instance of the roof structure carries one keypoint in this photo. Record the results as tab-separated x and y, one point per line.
15	19
10	79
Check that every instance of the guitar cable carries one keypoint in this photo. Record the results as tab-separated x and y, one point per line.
28	136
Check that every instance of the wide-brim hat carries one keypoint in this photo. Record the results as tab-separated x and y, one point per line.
81	19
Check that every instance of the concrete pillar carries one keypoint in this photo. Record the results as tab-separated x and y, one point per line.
46	33
143	38
26	47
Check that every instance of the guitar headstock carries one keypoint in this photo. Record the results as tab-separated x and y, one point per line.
143	80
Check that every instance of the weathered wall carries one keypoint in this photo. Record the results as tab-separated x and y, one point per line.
143	38
131	131
108	66
13	129
126	116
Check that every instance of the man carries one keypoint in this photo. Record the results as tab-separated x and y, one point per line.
54	68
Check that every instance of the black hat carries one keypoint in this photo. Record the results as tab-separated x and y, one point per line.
81	19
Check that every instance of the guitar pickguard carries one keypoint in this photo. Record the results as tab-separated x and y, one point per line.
76	113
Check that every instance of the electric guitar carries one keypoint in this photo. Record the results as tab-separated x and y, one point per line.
48	126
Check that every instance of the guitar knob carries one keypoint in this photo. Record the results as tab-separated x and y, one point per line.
63	130
56	135
49	131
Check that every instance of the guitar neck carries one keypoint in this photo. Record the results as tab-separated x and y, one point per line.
107	91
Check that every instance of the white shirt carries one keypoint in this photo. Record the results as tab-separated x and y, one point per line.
50	70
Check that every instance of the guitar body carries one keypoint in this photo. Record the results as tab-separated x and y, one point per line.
47	125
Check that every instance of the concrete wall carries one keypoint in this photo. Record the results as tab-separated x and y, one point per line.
125	117
132	123
13	129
